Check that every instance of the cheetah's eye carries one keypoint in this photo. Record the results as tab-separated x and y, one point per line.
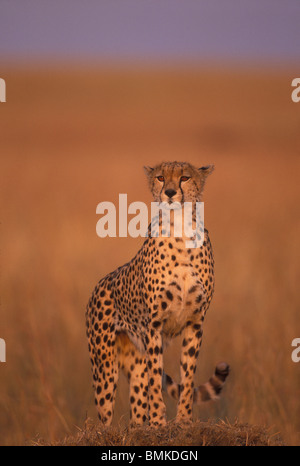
160	178
185	178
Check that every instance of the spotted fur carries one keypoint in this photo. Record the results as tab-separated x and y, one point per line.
164	291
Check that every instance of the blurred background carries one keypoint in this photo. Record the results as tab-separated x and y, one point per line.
96	90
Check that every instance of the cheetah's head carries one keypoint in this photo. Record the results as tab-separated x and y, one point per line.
177	181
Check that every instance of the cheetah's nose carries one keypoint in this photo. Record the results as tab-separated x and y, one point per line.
170	192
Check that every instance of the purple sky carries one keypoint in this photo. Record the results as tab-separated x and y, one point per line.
235	30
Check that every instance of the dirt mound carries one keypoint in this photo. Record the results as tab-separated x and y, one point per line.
195	434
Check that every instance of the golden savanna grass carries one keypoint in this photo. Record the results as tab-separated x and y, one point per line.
71	138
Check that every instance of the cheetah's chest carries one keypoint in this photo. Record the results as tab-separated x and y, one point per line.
179	282
181	295
183	291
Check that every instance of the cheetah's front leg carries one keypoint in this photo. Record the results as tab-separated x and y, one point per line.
154	350
192	338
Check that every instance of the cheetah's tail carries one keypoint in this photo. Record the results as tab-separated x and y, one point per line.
208	391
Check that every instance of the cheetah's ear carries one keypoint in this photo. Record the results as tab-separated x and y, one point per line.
207	170
148	170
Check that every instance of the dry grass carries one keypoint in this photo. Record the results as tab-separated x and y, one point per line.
197	434
71	139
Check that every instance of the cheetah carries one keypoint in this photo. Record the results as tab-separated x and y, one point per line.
164	291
